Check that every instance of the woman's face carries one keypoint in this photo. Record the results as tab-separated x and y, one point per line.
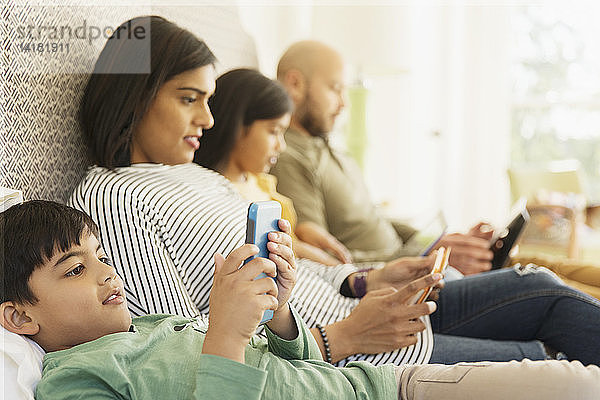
170	131
260	144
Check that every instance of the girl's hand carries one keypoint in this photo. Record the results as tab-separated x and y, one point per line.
315	235
306	250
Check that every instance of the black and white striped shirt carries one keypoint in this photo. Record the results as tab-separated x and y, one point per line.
163	224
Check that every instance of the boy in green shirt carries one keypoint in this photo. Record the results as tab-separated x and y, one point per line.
61	290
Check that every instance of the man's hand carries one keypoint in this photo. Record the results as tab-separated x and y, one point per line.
482	230
238	301
471	253
383	321
399	272
315	235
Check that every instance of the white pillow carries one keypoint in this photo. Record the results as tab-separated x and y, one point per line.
20	365
9	197
20	357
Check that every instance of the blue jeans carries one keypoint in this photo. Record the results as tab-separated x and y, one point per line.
505	315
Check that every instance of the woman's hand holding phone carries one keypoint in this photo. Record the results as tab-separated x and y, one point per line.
439	267
399	272
384	320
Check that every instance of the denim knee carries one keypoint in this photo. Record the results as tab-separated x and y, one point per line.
541	278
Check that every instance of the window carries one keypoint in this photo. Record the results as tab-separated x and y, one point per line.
556	94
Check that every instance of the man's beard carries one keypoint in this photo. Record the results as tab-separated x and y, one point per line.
310	122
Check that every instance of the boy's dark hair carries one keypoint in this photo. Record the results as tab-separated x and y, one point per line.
30	234
241	97
127	76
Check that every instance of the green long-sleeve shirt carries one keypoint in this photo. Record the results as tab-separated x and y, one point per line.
160	358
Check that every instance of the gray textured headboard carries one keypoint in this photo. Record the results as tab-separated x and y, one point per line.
42	151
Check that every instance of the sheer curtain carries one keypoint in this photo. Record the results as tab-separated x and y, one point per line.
474	112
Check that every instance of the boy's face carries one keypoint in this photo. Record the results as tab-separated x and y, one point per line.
81	297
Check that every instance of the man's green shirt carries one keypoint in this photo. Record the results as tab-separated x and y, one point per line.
328	188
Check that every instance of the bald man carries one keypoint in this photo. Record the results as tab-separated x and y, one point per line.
327	187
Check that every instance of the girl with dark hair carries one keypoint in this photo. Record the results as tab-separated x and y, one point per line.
252	112
166	220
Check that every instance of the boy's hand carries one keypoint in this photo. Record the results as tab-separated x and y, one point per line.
237	301
280	252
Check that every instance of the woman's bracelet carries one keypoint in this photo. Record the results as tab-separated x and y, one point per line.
325	343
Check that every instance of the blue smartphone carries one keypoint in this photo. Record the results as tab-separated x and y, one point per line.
263	217
432	244
429	235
